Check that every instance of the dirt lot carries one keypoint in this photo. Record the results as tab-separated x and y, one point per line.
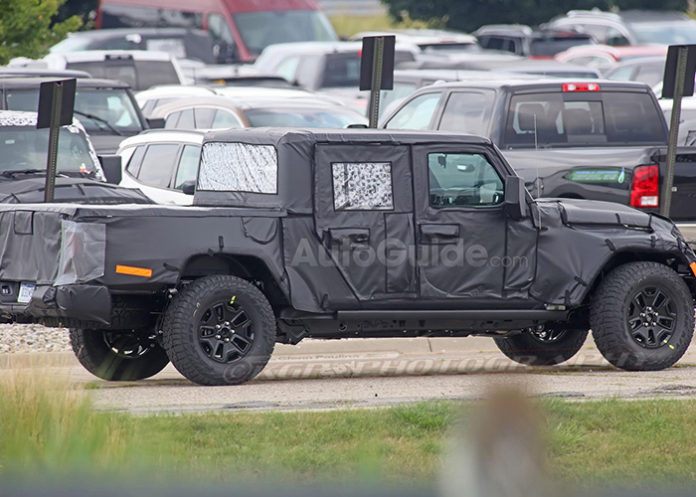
372	373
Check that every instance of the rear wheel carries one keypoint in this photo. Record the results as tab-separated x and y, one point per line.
219	330
116	355
542	348
642	317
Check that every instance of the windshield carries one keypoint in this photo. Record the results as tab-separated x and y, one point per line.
341	70
26	148
583	119
112	105
548	47
665	33
139	74
303	118
71	44
260	29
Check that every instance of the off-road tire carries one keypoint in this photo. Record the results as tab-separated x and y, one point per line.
526	349
97	357
181	330
608	316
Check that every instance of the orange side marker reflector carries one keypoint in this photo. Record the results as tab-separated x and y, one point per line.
134	271
693	267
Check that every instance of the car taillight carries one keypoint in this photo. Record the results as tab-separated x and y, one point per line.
580	87
645	189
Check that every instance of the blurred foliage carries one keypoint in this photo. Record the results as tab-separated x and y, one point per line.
468	15
27	30
347	26
86	9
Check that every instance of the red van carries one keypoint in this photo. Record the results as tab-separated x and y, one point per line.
241	29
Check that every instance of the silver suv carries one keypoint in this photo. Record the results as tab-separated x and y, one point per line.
631	27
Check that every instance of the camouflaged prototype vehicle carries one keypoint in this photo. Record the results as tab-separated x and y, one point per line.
347	233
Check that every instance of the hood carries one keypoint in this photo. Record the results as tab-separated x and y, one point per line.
69	190
530	163
106	144
576	211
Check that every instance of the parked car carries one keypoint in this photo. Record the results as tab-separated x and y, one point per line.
604	57
240	28
630	27
163	164
80	177
224	112
107	108
549	68
648	70
139	69
287	245
522	40
329	68
150	99
596	139
24	72
182	43
428	40
406	81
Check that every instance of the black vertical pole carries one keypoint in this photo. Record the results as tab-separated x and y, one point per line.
680	77
53	133
375	91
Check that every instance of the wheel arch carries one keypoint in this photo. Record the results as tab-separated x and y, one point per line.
675	261
251	268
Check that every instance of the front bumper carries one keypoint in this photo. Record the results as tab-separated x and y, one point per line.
90	303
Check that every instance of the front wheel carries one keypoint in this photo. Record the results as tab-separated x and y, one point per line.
642	317
542	348
219	330
117	355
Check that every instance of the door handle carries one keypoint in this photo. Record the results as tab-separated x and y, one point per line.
439	231
358	236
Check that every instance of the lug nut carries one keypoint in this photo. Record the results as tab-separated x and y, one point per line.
217	336
227	339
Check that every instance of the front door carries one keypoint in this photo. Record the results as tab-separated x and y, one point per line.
470	253
364	217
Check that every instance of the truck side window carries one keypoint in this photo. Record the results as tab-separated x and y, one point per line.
468	112
417	114
466	180
238	167
359	186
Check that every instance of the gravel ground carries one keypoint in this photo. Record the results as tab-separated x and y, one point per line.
32	338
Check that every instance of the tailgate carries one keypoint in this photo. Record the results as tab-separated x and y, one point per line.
46	247
683	206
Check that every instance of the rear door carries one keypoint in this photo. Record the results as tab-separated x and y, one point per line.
364	217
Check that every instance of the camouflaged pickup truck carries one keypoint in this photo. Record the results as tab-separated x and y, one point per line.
347	233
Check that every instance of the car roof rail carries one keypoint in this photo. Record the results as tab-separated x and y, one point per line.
594	13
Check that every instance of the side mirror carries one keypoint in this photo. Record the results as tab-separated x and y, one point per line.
155	122
111	164
189	187
515	204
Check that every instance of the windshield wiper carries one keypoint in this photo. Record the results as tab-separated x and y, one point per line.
13	172
99	120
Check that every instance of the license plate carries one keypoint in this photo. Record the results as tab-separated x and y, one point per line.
26	292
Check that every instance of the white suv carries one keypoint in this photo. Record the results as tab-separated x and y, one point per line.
163	164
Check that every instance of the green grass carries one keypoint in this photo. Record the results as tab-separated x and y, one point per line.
346	26
48	430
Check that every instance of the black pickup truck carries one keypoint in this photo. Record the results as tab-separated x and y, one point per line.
594	139
347	233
